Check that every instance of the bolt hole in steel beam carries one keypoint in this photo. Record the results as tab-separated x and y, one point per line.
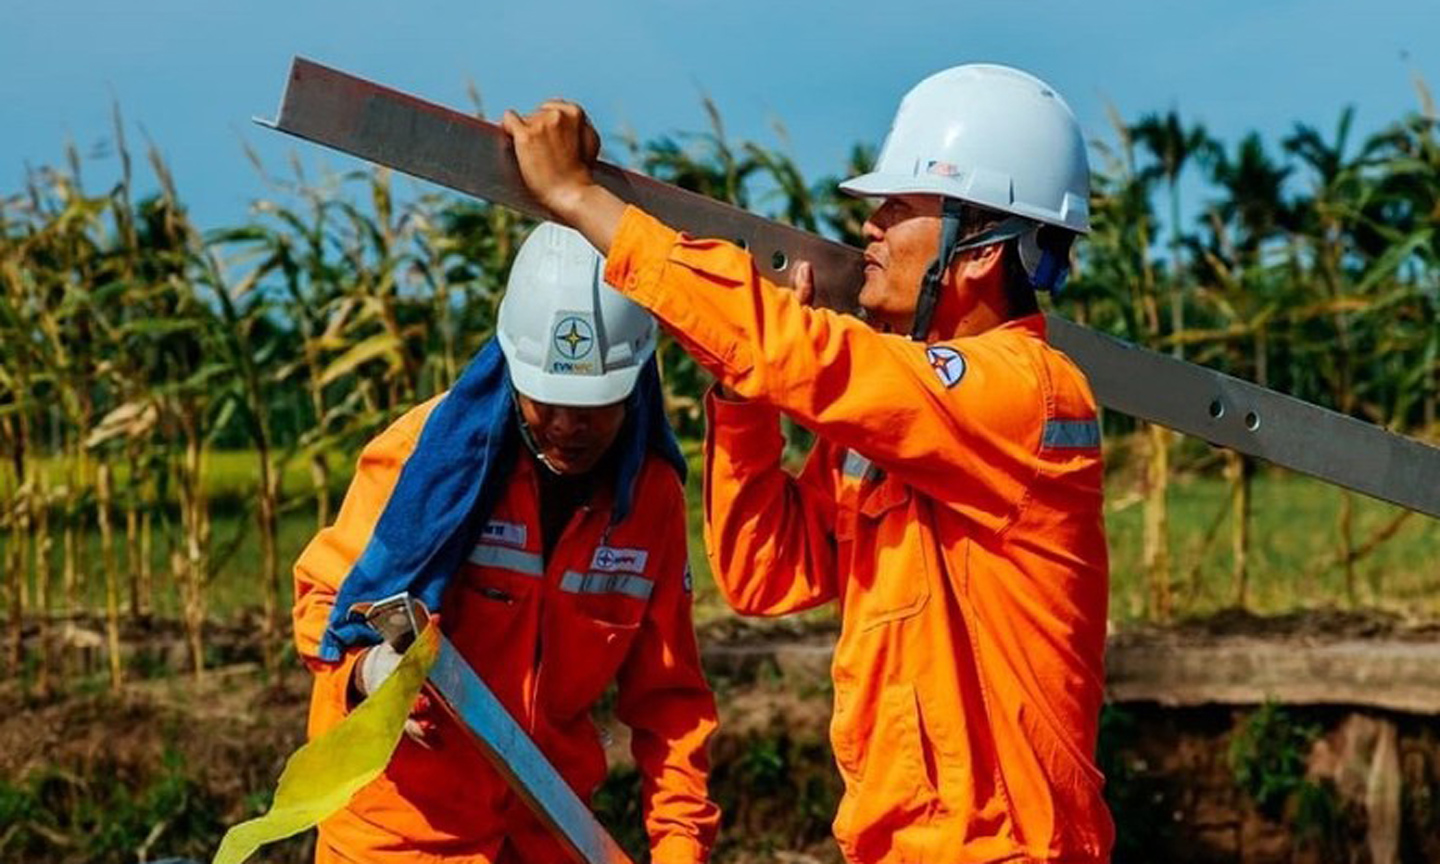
778	261
1217	409
467	154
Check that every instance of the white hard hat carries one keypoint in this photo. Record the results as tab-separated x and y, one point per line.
568	337
988	135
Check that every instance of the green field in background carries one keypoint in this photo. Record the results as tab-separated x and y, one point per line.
1294	532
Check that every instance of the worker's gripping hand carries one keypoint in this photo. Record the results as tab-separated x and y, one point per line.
378	663
375	666
556	148
802	282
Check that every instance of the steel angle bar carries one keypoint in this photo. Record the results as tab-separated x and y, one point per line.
516	757
502	740
1233	413
467	154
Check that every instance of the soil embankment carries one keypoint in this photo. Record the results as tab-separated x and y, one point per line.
163	768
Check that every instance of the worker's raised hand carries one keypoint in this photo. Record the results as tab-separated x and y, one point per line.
556	147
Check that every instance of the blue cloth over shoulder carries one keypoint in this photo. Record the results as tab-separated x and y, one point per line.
451	482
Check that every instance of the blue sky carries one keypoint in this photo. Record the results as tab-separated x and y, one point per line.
191	73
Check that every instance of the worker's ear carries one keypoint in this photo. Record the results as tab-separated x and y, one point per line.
1045	255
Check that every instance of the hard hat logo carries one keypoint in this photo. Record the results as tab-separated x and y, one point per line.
574	350
574	337
944	169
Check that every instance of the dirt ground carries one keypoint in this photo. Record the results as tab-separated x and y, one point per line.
1310	624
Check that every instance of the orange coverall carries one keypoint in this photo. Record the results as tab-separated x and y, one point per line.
611	603
952	507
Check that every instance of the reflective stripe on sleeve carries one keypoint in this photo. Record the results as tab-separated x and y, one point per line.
1071	435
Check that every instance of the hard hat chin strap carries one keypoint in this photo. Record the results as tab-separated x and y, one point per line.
1046	263
951	244
632	401
528	436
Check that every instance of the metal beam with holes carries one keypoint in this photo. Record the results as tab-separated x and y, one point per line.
467	154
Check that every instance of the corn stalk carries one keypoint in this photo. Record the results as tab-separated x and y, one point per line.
112	578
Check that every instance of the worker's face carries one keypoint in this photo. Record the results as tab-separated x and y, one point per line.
903	235
572	440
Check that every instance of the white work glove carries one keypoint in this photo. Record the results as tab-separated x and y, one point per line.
379	663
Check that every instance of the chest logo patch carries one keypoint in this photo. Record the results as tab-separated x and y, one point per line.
609	559
949	364
506	533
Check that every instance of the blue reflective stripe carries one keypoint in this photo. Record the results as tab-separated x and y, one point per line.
607	583
855	464
1071	435
528	563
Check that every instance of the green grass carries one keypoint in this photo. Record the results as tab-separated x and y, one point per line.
1294	530
230	475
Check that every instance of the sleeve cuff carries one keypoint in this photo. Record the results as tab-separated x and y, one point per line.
678	849
332	686
637	253
743	427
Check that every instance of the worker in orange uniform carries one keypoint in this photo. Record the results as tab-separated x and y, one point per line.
952	504
572	576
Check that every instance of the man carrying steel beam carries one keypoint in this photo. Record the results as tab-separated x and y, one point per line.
555	485
952	505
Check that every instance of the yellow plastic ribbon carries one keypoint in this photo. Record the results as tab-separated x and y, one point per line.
321	776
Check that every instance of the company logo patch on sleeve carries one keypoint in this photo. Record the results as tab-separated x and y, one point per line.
609	559
508	533
948	364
